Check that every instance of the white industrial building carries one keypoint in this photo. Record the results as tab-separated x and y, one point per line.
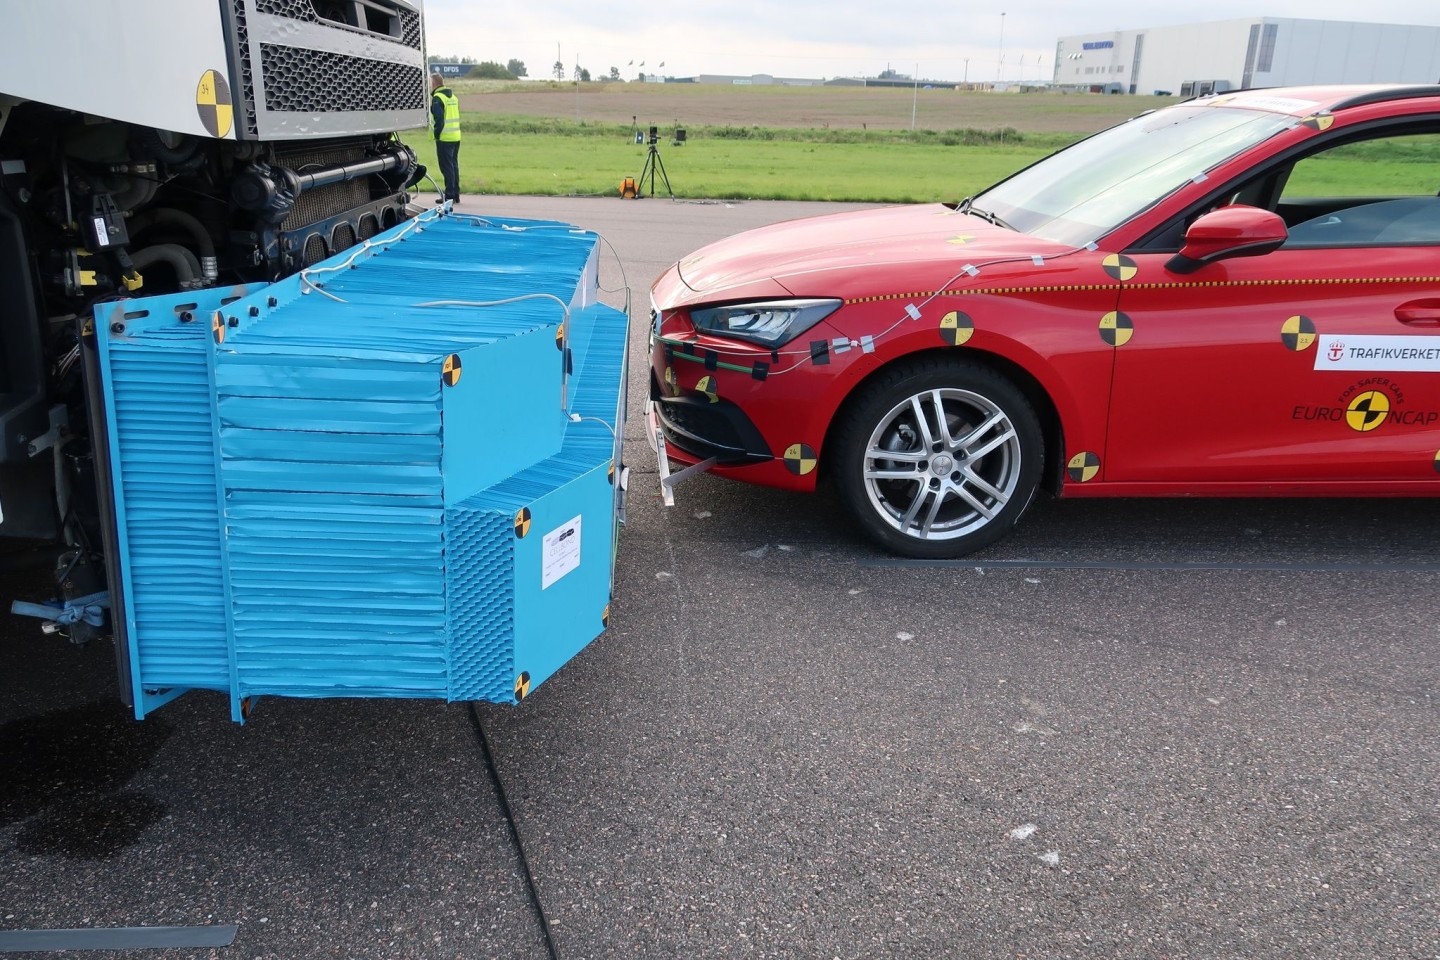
1255	52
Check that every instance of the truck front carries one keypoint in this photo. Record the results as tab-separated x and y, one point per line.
160	148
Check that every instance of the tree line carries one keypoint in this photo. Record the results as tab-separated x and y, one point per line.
515	70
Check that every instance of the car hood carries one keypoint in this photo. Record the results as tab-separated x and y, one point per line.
838	255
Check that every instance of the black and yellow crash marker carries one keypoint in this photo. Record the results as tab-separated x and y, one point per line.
1116	329
1119	267
450	370
1368	411
956	328
1083	467
1297	333
800	459
212	102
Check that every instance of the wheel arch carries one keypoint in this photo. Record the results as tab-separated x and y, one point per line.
1052	429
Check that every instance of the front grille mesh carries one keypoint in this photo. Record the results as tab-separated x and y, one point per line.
247	76
315	251
304	11
343	238
333	199
298	80
410	29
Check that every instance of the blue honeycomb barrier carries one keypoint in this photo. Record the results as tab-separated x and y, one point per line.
165	481
412	454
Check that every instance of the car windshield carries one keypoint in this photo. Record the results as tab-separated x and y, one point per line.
1082	193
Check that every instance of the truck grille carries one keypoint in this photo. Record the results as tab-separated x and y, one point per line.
315	81
311	68
246	75
391	22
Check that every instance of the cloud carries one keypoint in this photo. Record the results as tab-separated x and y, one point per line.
835	38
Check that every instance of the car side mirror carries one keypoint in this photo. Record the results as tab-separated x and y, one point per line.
1234	231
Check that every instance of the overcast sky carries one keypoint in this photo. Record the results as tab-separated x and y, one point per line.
807	38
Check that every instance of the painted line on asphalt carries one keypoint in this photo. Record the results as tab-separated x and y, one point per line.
117	938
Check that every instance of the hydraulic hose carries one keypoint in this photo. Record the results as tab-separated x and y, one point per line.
186	267
169	216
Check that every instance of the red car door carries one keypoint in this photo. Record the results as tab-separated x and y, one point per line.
1300	365
1317	363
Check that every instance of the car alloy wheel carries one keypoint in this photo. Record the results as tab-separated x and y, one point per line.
939	457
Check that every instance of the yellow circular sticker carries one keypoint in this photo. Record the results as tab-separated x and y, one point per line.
212	100
450	370
1298	333
800	459
1083	467
1120	267
956	328
1116	329
1368	411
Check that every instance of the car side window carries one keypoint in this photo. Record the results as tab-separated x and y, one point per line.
1373	192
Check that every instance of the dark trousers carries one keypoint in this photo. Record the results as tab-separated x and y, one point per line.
448	152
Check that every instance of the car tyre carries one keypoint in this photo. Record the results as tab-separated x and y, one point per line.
928	486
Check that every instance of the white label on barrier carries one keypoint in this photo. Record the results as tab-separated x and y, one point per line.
560	552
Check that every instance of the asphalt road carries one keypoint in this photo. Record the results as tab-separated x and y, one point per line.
1138	729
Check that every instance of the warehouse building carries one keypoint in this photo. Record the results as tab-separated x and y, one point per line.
1256	52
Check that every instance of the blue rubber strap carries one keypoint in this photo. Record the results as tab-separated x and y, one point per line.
90	608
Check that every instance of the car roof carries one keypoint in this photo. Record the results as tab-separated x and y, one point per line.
1305	101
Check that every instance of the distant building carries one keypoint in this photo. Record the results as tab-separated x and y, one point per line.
766	80
757	80
1255	52
905	82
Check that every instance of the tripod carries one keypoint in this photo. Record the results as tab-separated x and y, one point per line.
653	163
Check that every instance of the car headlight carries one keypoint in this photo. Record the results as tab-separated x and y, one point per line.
769	324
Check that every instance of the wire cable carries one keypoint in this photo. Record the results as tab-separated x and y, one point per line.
494	769
483	221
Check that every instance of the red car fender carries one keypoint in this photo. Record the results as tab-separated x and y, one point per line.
1071	373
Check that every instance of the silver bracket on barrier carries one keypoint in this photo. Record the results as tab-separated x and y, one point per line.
668	480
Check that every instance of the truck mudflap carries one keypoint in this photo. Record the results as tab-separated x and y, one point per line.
395	474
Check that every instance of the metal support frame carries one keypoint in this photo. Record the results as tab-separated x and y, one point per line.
656	437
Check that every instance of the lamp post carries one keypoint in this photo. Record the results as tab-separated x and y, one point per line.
1000	52
914	95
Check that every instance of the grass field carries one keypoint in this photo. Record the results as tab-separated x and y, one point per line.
770	142
869	108
561	165
806	143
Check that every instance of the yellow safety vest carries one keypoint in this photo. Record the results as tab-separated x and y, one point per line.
451	131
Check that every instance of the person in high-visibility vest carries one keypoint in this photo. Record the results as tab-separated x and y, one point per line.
445	125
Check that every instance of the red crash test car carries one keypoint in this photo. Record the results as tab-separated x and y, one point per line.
1232	296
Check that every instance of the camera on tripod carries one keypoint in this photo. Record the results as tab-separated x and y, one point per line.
634	188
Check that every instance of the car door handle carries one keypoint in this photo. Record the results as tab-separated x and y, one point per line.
1421	313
